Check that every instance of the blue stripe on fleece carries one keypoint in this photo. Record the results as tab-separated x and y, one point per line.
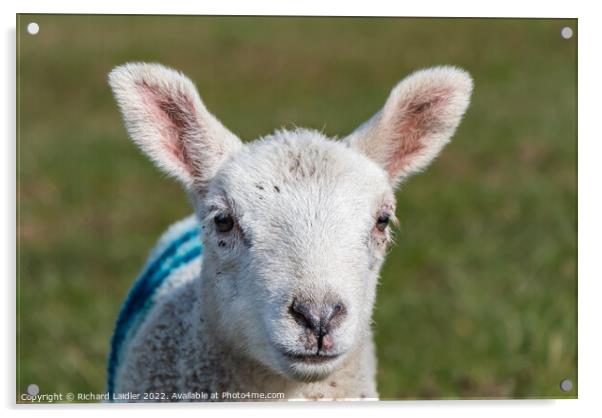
183	248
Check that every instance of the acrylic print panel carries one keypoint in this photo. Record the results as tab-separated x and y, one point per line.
295	280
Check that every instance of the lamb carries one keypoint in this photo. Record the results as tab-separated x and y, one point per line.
269	287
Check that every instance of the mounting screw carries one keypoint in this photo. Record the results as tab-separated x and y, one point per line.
566	385
566	32
33	28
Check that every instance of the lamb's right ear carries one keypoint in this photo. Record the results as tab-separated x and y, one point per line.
166	118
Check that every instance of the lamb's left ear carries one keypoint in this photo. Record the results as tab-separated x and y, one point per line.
417	120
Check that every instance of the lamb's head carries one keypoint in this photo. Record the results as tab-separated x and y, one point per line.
295	225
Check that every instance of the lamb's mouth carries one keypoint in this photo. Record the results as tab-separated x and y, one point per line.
311	358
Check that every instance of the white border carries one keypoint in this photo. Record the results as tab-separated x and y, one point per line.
457	8
590	148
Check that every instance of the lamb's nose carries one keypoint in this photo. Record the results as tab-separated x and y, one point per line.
319	319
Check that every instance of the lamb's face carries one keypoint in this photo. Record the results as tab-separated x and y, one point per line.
295	231
295	225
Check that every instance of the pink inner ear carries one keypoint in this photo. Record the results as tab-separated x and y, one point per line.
174	117
418	119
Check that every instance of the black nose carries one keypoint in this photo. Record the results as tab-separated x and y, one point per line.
319	319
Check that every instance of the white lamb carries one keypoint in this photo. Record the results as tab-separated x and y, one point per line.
294	228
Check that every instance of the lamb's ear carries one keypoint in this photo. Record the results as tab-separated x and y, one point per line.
165	116
417	120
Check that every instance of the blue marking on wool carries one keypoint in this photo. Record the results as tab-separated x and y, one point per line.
181	250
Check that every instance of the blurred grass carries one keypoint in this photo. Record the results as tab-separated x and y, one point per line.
478	299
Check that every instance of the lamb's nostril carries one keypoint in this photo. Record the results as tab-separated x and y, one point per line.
335	314
331	318
305	314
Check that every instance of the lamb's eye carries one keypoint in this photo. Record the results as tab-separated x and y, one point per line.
382	222
223	222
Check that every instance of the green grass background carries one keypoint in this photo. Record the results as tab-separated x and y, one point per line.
478	298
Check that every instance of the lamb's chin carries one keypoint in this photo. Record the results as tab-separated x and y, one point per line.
311	372
307	370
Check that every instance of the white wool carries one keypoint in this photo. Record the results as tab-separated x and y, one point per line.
305	210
